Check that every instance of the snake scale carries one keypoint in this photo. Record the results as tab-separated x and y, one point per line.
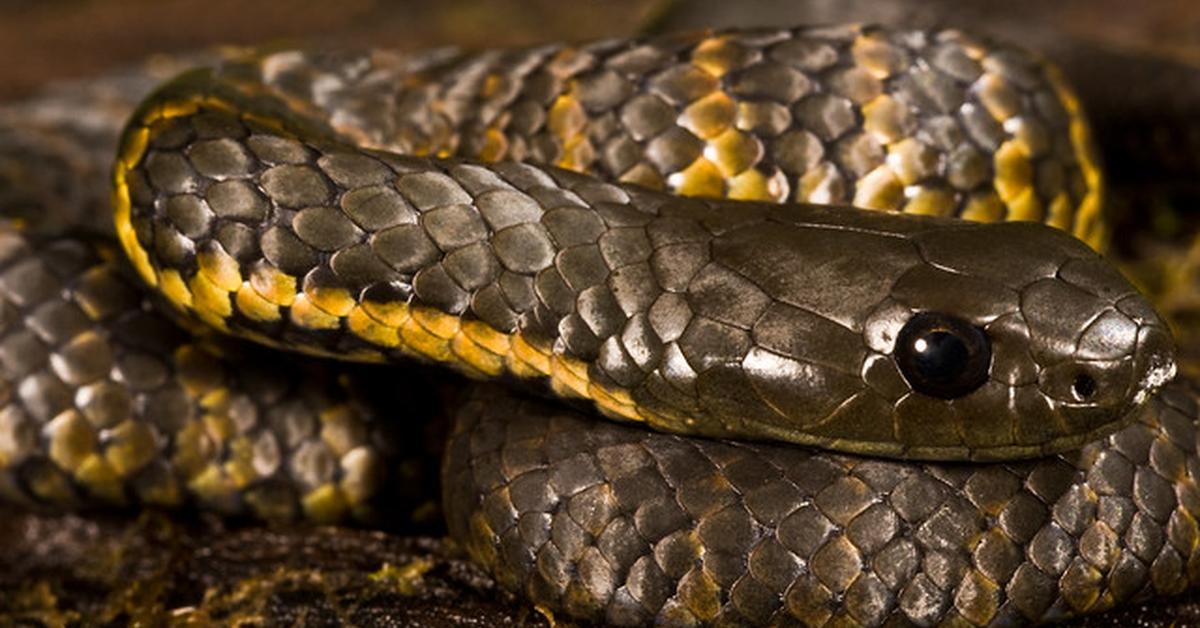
984	441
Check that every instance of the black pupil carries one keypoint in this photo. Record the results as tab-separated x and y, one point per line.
940	354
943	356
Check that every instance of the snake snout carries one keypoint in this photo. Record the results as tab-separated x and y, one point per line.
1119	361
1153	359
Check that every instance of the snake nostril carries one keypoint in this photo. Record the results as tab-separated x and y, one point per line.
1083	387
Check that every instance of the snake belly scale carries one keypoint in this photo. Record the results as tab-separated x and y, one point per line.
284	198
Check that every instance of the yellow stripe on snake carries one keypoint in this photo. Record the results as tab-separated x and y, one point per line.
946	414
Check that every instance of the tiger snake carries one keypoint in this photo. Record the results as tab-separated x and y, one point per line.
369	205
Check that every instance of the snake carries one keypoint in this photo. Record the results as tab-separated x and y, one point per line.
939	412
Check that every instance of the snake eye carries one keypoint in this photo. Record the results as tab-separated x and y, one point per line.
943	356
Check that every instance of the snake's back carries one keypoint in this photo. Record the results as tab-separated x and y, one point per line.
269	199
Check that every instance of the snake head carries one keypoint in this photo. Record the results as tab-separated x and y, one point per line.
1024	339
931	339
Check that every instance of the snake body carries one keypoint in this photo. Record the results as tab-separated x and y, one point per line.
108	401
283	198
625	526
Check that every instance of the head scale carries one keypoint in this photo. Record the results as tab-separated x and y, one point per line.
931	338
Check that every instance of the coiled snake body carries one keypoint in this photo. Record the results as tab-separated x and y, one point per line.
281	197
